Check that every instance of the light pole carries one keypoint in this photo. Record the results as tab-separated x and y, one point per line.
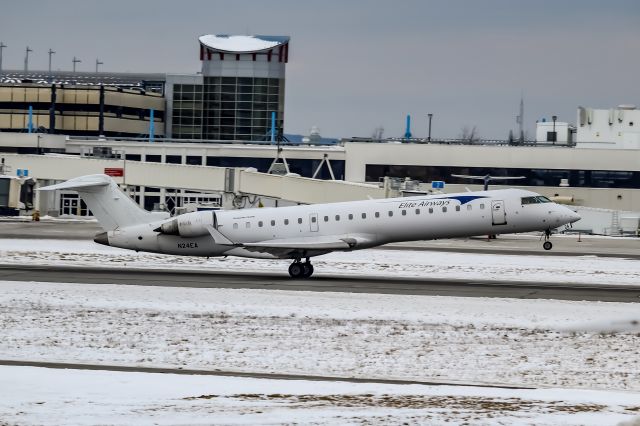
98	63
26	59
555	136
75	61
429	135
2	46
51	52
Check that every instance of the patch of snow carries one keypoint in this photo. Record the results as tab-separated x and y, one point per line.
45	396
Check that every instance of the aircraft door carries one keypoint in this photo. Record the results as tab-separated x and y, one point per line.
313	222
498	213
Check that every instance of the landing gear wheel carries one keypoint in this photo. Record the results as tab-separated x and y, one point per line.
308	269
296	270
547	245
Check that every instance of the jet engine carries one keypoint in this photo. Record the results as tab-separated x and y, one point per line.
189	224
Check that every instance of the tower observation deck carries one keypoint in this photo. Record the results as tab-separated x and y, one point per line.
242	83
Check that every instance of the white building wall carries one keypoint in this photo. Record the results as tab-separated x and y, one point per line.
608	128
562	129
359	154
245	67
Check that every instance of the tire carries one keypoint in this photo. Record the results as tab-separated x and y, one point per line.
307	270
296	270
547	245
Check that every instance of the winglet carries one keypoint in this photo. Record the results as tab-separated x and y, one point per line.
218	238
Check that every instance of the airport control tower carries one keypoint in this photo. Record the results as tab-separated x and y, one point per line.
242	83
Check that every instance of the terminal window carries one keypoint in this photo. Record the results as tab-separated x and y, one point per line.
228	108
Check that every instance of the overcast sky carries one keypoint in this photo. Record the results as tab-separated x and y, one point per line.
355	65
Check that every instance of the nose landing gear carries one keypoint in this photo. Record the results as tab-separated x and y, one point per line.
547	244
301	269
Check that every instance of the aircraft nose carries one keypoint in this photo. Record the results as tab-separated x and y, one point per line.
101	238
574	217
569	215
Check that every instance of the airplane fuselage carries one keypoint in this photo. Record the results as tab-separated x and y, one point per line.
361	224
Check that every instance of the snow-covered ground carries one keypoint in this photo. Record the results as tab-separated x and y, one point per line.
72	397
379	262
469	340
584	356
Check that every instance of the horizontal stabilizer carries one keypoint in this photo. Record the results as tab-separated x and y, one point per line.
76	184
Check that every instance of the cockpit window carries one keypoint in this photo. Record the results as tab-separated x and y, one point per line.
535	200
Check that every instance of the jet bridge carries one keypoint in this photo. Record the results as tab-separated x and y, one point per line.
232	182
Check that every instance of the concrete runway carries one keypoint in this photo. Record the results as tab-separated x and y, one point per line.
321	282
508	244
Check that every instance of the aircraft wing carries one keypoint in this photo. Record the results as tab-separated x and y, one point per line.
506	177
288	246
469	176
490	177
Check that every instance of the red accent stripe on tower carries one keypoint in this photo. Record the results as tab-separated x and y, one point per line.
208	54
269	55
255	57
201	53
280	49
286	53
237	56
221	56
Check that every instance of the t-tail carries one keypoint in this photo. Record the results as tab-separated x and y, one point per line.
108	203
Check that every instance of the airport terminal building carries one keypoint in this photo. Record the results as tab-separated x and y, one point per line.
215	133
238	94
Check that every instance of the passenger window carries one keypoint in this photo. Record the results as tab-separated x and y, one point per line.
286	221
350	216
260	224
326	218
273	223
235	226
364	215
457	208
444	210
468	206
390	213
430	210
377	214
300	220
313	219
417	211
337	217
404	212
481	206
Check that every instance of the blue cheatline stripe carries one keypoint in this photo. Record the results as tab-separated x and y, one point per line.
464	199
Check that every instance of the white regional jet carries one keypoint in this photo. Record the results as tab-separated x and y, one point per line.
301	232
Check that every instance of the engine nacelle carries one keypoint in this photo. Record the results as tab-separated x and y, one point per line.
189	224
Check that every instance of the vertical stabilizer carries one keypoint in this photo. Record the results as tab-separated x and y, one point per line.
112	207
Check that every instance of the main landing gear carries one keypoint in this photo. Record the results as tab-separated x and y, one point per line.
301	269
547	244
